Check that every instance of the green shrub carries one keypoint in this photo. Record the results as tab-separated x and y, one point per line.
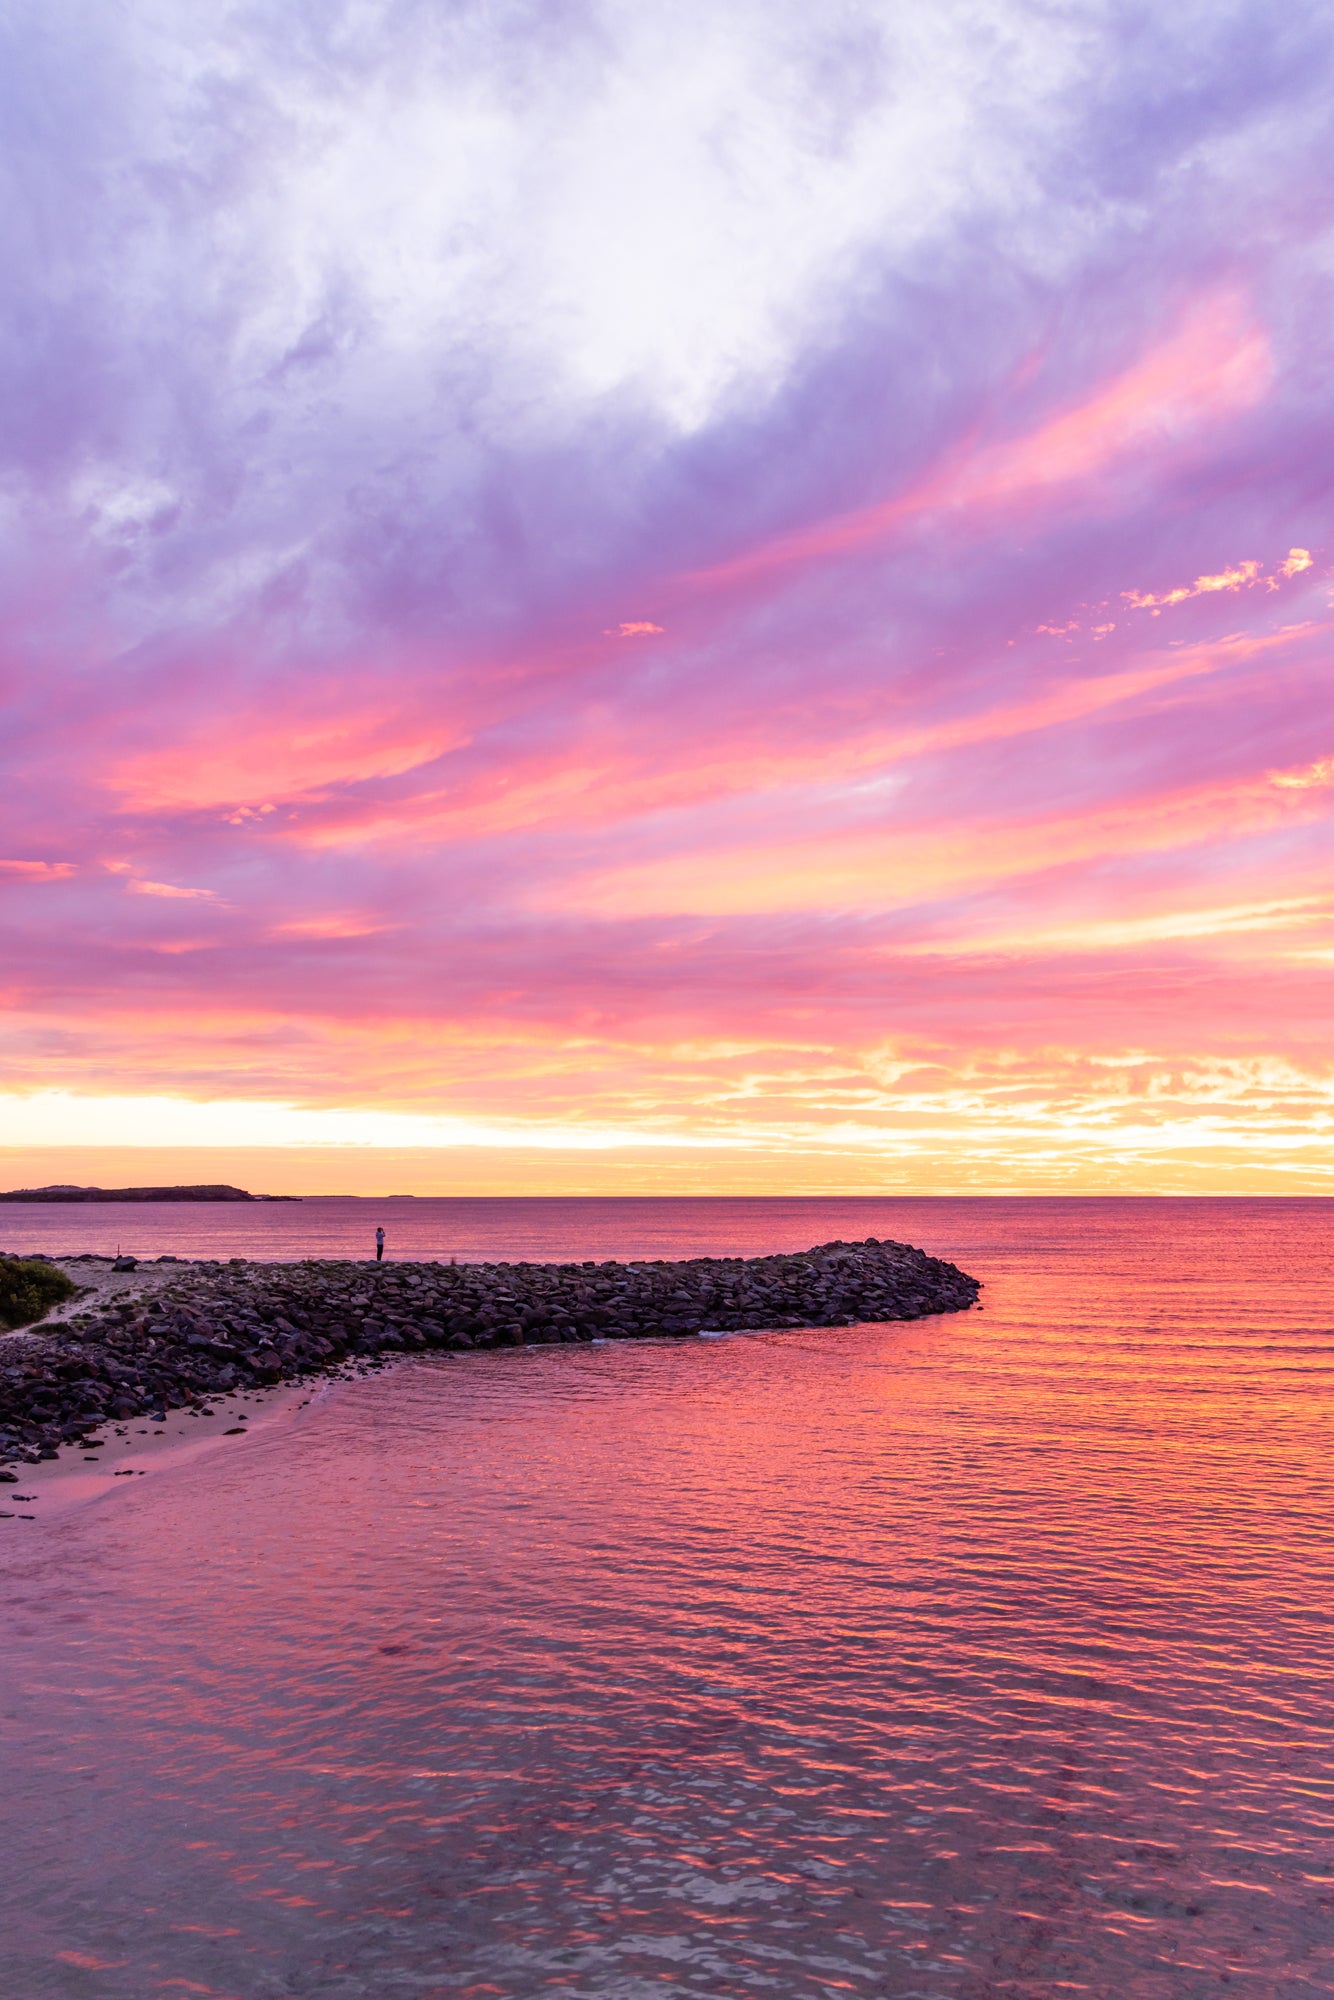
29	1289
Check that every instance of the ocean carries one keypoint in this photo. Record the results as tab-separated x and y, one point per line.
980	1655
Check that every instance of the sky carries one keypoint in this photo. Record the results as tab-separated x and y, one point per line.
597	594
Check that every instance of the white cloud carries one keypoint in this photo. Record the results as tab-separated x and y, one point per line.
662	207
63	1118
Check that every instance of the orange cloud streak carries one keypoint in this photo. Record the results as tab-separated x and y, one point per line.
36	871
887	869
257	758
623	783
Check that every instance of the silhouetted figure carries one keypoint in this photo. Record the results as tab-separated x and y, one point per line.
379	1245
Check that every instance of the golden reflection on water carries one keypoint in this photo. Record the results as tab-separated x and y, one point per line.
978	1655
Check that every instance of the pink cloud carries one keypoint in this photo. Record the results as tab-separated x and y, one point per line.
169	890
331	926
981	801
247	756
36	871
1235	578
1318	775
1215	365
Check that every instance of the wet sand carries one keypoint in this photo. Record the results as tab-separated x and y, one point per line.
139	1450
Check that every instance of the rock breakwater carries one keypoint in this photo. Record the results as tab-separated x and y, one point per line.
217	1328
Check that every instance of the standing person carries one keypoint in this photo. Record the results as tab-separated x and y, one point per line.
379	1245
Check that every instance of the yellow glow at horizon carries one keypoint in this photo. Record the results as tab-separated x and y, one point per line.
1178	1135
61	1118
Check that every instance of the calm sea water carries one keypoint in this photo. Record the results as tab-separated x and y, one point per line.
986	1655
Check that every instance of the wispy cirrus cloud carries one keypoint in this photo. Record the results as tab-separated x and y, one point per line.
173	891
1215	365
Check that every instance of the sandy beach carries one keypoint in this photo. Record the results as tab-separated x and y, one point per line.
86	1470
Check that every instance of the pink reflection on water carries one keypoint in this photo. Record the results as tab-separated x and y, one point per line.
968	1654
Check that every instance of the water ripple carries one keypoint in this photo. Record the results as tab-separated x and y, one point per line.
967	1657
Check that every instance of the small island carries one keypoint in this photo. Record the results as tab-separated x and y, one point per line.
214	1191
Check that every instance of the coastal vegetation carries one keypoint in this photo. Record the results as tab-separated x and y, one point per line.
29	1288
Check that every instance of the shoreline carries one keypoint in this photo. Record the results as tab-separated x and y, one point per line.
183	1335
82	1472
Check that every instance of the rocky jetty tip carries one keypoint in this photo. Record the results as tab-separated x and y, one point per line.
216	1328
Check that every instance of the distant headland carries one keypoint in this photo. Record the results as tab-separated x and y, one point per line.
210	1193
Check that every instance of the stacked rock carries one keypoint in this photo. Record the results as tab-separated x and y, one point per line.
220	1328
